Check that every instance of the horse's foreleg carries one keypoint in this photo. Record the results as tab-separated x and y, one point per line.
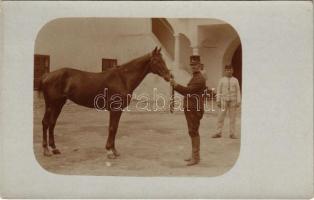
113	127
52	123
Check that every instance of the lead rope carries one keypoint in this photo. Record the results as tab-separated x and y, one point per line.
171	98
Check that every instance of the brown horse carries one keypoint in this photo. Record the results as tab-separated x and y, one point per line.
84	87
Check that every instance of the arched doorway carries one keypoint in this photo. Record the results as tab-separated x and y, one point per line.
164	32
237	64
233	56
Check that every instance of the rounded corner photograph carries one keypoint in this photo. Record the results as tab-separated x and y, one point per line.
144	97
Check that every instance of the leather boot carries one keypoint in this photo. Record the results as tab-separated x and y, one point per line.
195	151
190	157
218	135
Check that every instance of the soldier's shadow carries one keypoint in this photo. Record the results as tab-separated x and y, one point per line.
182	164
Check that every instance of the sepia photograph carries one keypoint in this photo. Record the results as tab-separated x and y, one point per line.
156	99
137	96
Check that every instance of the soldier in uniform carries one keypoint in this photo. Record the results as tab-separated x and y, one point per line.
193	106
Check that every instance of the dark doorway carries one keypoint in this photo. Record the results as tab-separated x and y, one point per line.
237	64
108	63
41	66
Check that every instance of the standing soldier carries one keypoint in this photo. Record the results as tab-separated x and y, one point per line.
193	106
228	99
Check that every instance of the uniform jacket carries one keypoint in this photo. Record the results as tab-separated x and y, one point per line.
194	92
228	90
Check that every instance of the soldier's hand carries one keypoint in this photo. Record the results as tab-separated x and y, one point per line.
173	82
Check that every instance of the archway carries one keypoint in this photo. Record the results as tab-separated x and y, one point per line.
237	64
185	52
164	32
233	55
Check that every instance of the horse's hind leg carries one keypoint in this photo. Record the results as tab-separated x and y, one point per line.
45	123
113	127
55	111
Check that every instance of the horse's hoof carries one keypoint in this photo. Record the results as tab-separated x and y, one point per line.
47	153
56	151
111	154
116	153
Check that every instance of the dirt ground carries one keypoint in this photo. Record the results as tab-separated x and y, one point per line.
150	144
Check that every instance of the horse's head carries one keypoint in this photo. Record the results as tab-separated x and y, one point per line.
158	65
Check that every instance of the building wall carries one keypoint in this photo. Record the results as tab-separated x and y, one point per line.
215	51
213	38
82	43
185	53
211	58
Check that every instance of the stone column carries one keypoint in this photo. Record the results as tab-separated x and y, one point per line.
195	50
176	50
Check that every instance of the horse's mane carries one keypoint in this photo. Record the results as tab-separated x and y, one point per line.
135	61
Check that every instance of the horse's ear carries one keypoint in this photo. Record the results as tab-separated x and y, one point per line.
155	50
159	50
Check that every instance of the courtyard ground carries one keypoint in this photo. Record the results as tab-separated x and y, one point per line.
150	143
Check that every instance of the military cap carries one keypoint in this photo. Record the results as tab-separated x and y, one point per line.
195	59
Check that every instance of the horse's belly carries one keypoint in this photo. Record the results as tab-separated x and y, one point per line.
83	102
95	94
84	99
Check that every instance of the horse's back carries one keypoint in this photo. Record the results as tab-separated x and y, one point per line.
62	74
79	86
